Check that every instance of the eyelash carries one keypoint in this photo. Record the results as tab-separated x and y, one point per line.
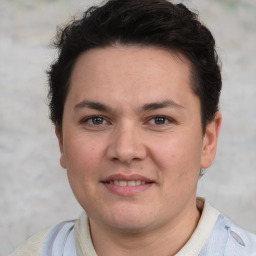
91	118
103	119
169	120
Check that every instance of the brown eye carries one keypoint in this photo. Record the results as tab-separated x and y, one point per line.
96	120
159	120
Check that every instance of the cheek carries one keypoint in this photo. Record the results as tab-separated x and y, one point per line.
179	162
82	156
83	168
178	155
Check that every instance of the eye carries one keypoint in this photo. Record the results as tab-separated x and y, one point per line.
160	120
95	120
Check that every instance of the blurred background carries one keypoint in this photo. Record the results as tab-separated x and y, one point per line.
34	189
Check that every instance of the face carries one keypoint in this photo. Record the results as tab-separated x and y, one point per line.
131	139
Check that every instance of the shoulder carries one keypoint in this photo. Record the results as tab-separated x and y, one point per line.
52	241
33	245
240	242
230	240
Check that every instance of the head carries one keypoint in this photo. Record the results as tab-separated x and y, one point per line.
134	97
156	23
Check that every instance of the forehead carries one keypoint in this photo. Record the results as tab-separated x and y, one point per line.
117	55
132	71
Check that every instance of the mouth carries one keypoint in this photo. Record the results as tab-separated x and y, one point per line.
124	185
130	183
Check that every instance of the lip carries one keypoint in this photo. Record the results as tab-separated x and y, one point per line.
126	178
127	190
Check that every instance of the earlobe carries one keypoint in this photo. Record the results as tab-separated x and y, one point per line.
60	140
210	141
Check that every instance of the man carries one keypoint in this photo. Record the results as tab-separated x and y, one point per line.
134	98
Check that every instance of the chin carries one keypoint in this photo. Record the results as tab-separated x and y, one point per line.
130	227
130	220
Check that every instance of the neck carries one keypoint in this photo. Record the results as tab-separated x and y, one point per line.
165	240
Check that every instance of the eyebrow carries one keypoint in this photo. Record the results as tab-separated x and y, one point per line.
146	107
158	105
92	105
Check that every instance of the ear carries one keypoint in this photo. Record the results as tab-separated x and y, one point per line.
210	141
60	140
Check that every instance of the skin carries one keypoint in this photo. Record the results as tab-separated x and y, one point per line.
147	124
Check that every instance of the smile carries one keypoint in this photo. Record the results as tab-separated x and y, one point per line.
124	185
130	183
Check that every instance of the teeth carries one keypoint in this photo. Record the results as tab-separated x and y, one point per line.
130	183
122	183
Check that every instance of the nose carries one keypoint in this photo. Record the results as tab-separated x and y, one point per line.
126	144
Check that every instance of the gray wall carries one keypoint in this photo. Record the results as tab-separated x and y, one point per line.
34	190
